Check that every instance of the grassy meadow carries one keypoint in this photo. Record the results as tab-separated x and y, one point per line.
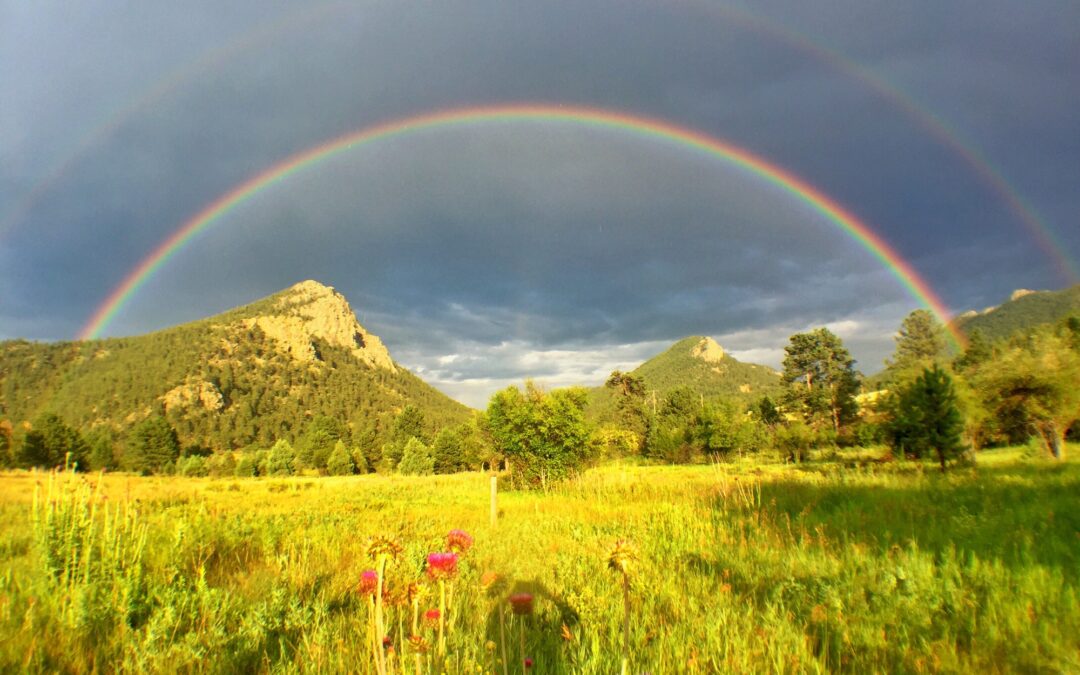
836	565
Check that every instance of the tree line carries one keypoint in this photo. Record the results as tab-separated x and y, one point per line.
928	403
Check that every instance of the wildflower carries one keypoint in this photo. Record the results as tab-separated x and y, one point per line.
442	565
623	557
387	642
522	603
369	582
431	618
487	579
528	663
383	546
418	643
459	541
490	646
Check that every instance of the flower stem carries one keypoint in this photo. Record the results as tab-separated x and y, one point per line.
626	625
442	618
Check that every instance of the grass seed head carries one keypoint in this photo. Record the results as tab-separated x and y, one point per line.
383	546
623	557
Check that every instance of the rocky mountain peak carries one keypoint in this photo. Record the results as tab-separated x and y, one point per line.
1019	293
708	350
310	310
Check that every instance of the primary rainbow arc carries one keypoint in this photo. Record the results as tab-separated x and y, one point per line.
581	116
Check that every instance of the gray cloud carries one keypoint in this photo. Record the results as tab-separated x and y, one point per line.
532	249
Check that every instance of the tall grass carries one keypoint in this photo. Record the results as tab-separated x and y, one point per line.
736	568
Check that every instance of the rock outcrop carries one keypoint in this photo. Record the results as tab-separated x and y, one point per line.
708	350
311	310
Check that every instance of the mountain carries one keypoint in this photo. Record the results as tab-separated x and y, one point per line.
702	365
1024	310
254	373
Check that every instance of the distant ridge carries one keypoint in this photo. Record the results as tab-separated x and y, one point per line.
700	364
251	374
1023	310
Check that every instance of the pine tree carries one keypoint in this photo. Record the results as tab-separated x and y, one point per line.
340	462
919	342
821	380
926	417
416	460
153	446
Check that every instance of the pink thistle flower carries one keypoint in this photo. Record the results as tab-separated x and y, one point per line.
442	565
459	541
522	603
369	582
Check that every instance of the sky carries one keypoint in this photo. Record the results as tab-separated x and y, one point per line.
487	253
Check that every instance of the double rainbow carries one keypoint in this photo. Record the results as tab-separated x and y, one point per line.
578	116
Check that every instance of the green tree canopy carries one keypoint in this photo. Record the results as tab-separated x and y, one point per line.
920	342
280	461
340	462
153	446
416	459
926	417
820	377
1033	384
543	435
48	443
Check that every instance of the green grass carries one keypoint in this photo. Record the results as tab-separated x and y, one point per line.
741	568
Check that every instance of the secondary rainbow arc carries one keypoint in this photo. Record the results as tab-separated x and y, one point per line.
581	116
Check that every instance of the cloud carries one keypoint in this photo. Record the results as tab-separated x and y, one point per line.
487	254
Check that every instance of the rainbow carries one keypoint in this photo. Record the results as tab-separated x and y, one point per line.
580	116
936	127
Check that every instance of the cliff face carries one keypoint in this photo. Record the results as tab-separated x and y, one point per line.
311	310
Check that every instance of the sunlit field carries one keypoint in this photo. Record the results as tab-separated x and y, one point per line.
837	565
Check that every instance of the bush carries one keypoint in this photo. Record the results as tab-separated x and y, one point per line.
416	459
194	466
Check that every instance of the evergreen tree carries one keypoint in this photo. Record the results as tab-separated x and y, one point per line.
447	451
340	462
50	442
318	442
919	342
926	417
630	400
768	413
820	377
102	453
409	423
416	460
153	446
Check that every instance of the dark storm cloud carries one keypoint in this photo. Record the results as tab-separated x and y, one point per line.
484	255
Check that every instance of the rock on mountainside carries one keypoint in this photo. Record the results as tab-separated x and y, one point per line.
252	374
310	311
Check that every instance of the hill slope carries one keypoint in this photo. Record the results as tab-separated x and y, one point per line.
1024	310
698	363
254	373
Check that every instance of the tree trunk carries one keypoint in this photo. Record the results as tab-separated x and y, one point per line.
1057	445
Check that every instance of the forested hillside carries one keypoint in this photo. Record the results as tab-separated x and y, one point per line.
257	373
1023	311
